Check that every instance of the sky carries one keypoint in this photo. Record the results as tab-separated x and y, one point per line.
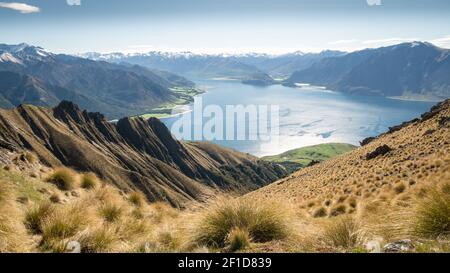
222	26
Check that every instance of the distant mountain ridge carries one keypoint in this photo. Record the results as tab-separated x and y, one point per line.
409	69
246	67
114	89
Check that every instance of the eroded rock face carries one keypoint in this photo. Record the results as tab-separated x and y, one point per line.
132	154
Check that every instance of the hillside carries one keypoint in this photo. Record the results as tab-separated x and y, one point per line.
411	70
113	89
387	168
391	195
131	154
298	158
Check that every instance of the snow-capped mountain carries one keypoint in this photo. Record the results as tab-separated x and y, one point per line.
239	66
23	53
30	74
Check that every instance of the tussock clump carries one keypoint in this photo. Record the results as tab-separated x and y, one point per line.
343	232
320	212
38	214
65	179
399	188
30	157
98	241
55	198
264	220
137	198
63	224
238	239
111	212
89	181
432	217
161	211
338	210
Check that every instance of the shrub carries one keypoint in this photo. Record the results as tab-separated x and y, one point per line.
65	179
89	181
432	217
238	239
342	232
111	212
137	198
35	216
264	220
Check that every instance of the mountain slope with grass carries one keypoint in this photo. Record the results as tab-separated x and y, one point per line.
298	158
132	153
393	190
391	195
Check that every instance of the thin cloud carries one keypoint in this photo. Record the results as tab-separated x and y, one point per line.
342	42
442	42
74	2
21	7
390	40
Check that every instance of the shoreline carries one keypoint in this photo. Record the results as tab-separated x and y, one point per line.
165	110
414	98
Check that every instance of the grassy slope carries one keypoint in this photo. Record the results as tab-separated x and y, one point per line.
301	157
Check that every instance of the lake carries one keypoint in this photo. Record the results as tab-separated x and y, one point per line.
309	116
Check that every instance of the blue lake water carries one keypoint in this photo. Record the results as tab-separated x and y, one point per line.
309	116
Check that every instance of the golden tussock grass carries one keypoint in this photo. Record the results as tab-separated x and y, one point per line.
89	181
65	179
264	220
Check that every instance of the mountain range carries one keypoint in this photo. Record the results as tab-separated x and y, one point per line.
253	68
29	74
411	69
121	85
415	70
132	154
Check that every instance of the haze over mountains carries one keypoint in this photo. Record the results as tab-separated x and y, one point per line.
416	70
29	74
240	66
121	85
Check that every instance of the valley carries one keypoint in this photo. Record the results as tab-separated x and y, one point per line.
88	155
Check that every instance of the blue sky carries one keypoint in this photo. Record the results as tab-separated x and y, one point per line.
212	26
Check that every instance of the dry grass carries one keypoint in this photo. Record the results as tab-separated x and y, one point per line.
36	215
343	232
238	239
65	179
265	220
432	217
30	157
137	198
89	181
13	237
